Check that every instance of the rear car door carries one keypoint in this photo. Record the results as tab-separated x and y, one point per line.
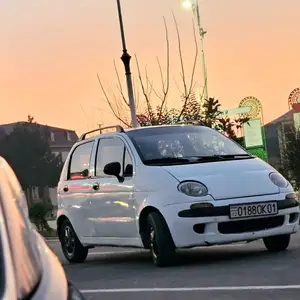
73	194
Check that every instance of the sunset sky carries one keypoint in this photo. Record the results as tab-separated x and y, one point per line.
51	51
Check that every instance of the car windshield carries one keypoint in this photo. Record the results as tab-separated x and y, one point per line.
179	144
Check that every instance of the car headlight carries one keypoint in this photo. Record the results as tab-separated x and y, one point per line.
193	188
278	180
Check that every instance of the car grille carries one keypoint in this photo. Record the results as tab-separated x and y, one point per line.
250	225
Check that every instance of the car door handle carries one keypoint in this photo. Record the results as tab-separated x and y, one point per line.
96	186
66	188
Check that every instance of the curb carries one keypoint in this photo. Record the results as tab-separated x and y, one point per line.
51	239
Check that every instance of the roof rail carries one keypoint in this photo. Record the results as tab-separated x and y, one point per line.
198	122
117	127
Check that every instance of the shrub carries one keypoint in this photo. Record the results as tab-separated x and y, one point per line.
38	215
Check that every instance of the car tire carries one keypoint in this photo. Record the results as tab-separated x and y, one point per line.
161	244
277	243
73	250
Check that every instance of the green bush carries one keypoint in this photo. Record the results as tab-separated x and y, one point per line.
38	215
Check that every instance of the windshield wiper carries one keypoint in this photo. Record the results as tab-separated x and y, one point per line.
166	160
233	155
223	156
195	159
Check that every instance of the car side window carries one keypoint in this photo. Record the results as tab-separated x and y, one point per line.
109	150
80	161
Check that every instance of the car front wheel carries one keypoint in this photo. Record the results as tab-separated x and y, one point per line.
161	244
73	250
277	243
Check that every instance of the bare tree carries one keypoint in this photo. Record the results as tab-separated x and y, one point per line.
187	88
119	103
118	108
154	116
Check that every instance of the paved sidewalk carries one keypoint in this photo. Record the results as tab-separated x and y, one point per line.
52	224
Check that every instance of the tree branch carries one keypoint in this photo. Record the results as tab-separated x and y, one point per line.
167	86
180	55
187	91
145	92
119	85
110	104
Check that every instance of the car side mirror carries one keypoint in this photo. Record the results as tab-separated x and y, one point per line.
114	169
85	173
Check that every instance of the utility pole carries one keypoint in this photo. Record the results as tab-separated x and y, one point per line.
126	61
196	11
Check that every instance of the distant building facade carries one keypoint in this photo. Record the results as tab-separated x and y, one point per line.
275	132
60	141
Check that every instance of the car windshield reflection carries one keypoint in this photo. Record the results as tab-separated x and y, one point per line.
184	144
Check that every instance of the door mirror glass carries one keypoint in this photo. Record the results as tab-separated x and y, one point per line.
128	167
128	172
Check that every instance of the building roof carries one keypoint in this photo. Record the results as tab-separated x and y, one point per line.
285	117
58	136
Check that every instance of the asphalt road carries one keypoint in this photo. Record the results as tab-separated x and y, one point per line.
241	271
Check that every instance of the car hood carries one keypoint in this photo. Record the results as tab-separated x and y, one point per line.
229	179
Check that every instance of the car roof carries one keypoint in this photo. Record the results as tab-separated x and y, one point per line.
159	126
124	130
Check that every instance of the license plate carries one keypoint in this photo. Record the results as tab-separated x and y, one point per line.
253	210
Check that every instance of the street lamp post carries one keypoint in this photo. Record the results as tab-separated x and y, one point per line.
195	6
126	61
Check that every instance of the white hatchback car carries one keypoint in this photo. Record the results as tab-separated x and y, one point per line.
168	187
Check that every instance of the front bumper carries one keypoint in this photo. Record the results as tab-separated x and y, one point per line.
212	225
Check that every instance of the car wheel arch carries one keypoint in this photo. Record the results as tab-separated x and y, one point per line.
143	219
59	223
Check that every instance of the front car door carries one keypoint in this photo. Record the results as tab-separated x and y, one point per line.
73	193
112	204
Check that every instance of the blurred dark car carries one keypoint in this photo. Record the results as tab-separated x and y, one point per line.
28	268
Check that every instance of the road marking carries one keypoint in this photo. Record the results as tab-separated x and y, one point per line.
200	247
223	246
141	250
195	289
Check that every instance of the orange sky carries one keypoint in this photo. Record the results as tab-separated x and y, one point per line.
51	51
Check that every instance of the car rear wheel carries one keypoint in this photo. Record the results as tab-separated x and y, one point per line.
277	243
73	250
161	244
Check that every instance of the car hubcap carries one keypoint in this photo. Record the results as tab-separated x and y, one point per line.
153	246
69	239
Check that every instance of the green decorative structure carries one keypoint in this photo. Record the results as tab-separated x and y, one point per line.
294	104
259	152
258	147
